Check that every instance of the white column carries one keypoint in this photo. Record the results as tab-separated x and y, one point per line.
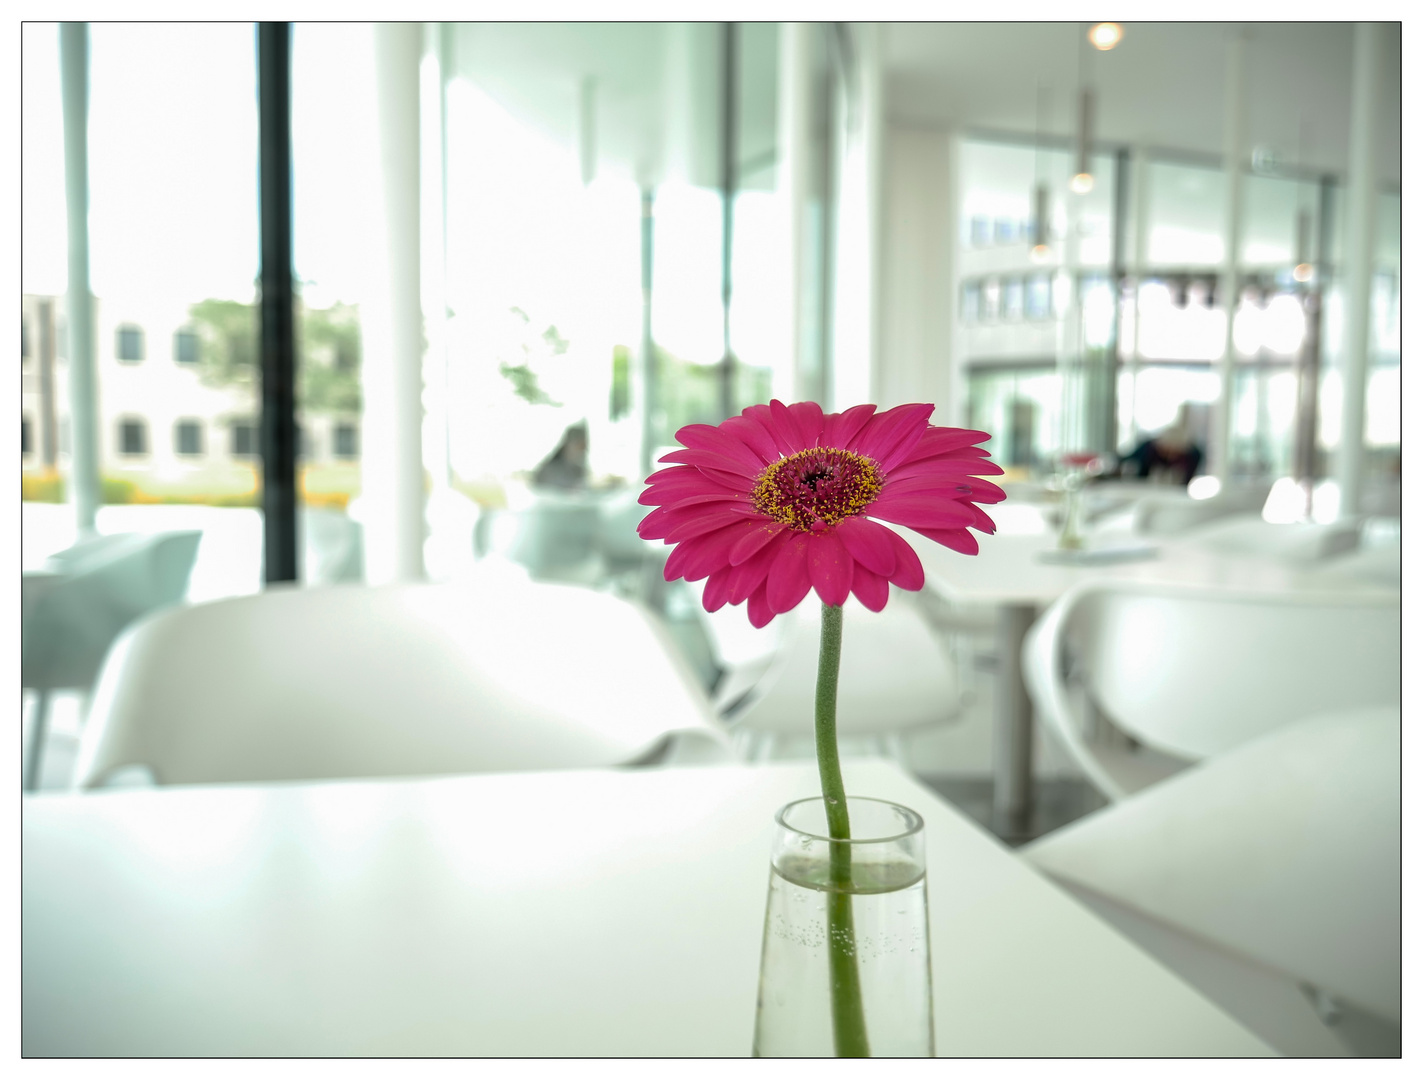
392	473
1140	202
793	121
83	383
1218	449
1358	263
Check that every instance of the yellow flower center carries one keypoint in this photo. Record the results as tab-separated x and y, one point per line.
817	487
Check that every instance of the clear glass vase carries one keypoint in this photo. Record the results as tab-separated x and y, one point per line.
845	952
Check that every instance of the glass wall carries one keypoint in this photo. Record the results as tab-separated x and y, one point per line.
1160	327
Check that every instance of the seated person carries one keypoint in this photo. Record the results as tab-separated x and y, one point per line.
1170	456
567	467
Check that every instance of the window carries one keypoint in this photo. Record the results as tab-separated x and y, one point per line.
1012	298
305	444
27	446
344	440
1038	302
188	437
133	437
185	347
128	344
244	438
24	339
61	338
969	305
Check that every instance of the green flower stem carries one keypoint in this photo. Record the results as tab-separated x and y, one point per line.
847	1009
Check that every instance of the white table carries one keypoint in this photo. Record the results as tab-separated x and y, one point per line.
585	913
1007	572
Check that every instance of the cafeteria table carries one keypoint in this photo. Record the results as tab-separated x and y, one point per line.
579	913
1011	572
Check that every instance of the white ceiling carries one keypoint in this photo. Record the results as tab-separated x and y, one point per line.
1163	85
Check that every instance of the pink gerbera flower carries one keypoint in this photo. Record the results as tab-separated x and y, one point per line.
781	499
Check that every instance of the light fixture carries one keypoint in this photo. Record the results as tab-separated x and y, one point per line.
1041	251
1304	269
1082	178
1105	35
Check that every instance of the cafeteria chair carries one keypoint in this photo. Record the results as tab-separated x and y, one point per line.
486	674
1170	514
895	677
80	602
1297	542
1376	565
1137	681
1269	876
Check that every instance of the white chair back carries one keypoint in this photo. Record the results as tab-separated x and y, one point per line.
485	675
1194	672
1169	514
894	674
1294	542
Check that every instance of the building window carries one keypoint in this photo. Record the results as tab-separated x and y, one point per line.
188	437
128	344
969	304
1039	297
133	437
185	347
244	438
27	445
343	440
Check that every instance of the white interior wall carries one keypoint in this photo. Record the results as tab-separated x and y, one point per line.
917	302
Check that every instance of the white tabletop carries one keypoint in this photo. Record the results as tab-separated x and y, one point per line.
537	914
1008	568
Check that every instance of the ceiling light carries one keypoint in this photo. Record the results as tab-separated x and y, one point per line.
1082	179
1304	272
1105	35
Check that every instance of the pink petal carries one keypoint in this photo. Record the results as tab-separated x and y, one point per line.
681	481
808	420
753	435
663	521
840	428
831	567
788	580
696	558
699	524
868	542
714	595
981	521
960	540
754	542
939	440
952	472
758	609
766	418
870	588
706	437
886	431
921	511
713	459
908	570
747	577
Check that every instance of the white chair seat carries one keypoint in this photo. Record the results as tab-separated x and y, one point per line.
1297	542
479	676
1285	850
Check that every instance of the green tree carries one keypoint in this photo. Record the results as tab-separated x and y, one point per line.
328	347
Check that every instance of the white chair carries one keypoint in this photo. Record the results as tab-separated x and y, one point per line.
895	677
85	598
1293	542
1379	566
1274	864
1136	680
1168	514
484	675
